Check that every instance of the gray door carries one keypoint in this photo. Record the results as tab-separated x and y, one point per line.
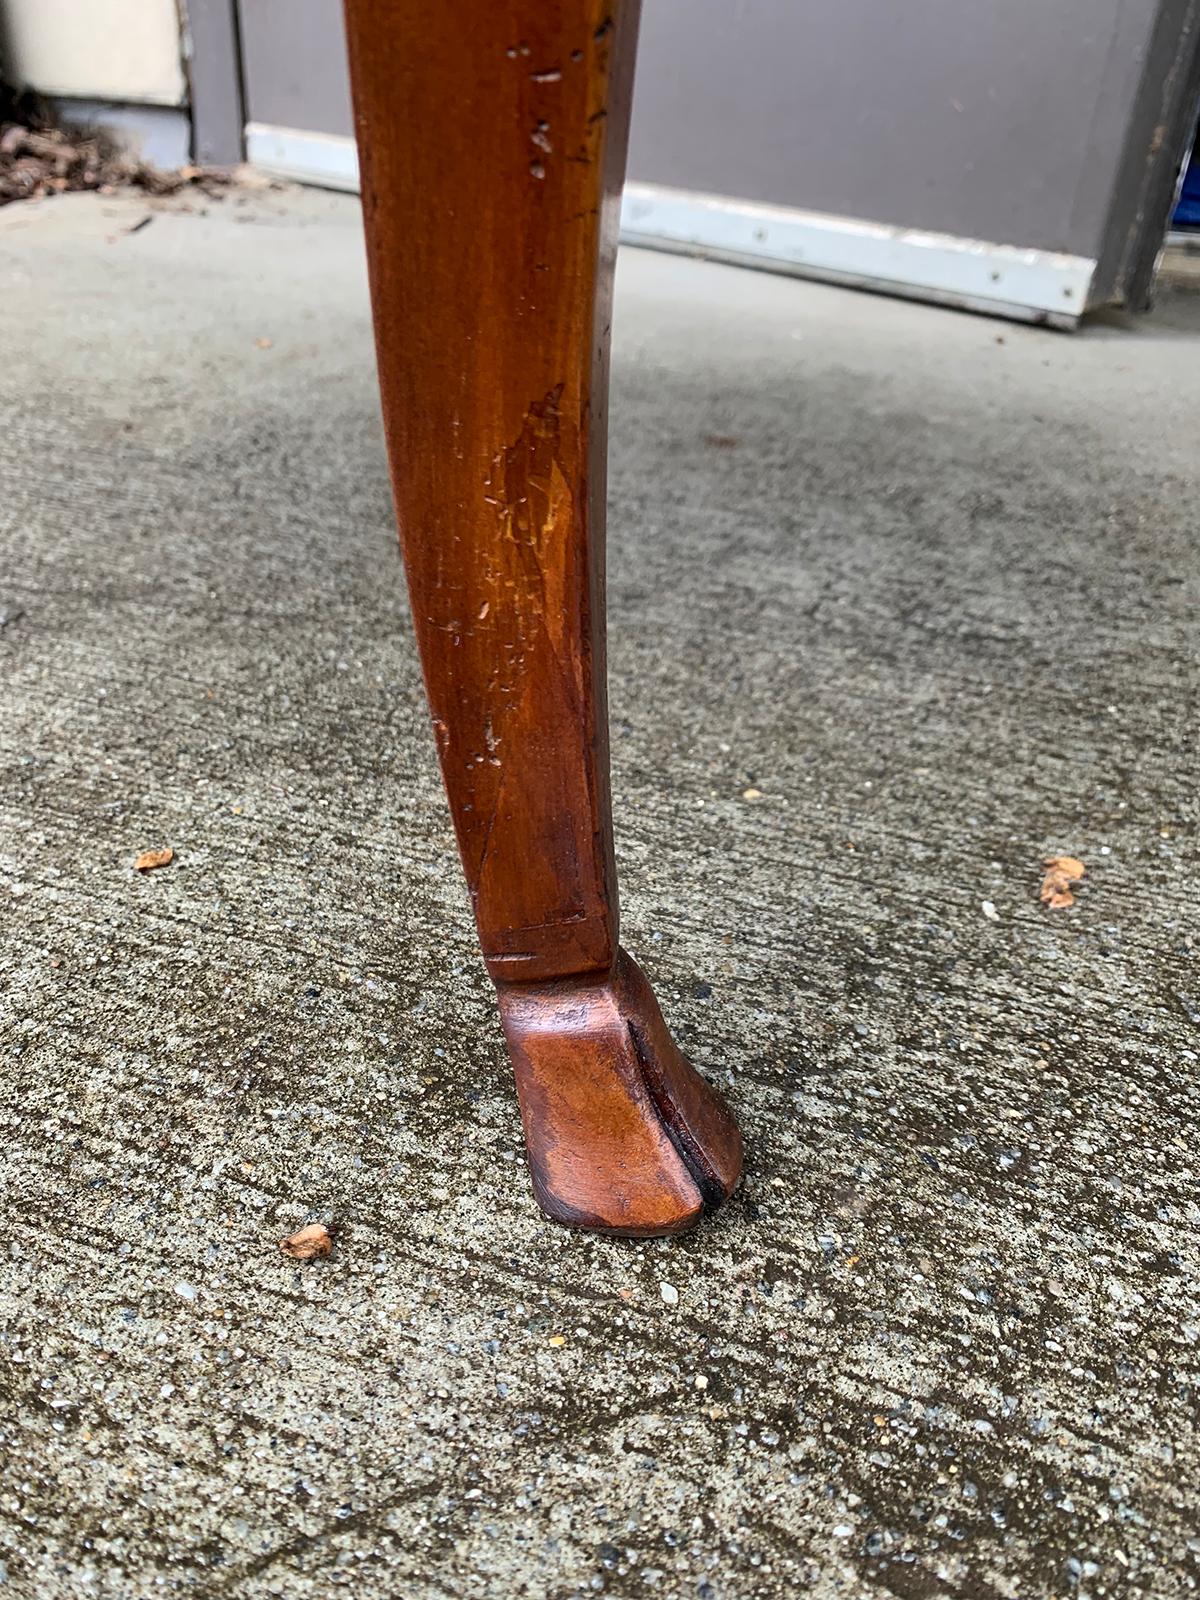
294	68
1012	155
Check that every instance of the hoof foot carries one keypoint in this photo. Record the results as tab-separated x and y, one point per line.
624	1135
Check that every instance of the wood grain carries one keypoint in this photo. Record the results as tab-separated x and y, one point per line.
492	141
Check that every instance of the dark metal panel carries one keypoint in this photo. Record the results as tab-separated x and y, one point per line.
1161	127
214	68
997	119
294	64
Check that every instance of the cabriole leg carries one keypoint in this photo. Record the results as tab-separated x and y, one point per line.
492	139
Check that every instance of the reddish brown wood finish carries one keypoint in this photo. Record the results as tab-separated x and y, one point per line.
492	140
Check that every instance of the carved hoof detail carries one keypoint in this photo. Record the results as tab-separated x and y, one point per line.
624	1135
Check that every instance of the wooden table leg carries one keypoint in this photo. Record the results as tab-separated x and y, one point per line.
492	138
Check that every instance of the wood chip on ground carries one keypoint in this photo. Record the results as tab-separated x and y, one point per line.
149	859
1061	872
314	1240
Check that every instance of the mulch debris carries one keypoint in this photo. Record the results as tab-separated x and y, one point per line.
38	158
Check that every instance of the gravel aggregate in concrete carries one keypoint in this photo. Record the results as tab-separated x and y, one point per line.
902	602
